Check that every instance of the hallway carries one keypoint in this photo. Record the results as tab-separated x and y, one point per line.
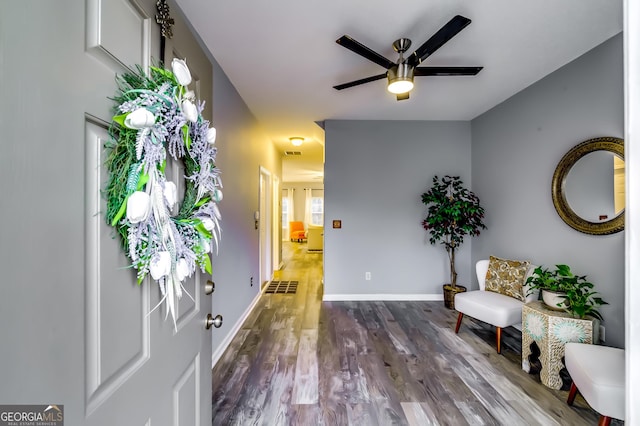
299	361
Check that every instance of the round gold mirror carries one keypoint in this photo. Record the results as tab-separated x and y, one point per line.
588	186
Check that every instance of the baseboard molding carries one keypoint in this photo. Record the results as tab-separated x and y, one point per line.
215	357
381	297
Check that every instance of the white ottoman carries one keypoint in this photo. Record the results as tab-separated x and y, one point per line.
598	372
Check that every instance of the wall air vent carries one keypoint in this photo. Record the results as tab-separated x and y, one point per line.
292	153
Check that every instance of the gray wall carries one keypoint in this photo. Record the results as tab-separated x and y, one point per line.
516	147
375	173
243	148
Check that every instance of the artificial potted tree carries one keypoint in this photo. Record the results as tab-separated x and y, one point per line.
453	212
561	289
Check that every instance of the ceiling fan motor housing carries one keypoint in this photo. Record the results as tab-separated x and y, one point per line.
400	78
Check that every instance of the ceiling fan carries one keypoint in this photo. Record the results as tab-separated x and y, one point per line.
400	74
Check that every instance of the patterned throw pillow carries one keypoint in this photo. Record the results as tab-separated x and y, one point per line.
506	277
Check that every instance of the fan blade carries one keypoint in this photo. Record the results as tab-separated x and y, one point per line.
361	81
444	34
402	96
425	71
364	51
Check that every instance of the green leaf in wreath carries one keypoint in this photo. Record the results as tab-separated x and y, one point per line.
165	73
203	231
207	264
144	178
120	119
123	209
203	201
185	135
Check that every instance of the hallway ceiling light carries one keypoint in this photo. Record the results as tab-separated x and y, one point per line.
296	140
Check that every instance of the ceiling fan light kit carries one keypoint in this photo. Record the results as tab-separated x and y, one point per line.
400	79
400	74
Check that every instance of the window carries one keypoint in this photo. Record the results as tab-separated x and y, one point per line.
285	212
317	210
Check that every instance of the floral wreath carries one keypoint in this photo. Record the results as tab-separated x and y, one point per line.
156	115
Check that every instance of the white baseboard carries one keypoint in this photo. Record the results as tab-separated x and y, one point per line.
382	297
215	357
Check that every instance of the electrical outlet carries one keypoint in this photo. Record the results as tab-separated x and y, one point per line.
251	281
602	333
367	276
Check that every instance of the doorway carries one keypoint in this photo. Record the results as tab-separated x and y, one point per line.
264	221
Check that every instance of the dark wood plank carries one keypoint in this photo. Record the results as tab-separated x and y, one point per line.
305	414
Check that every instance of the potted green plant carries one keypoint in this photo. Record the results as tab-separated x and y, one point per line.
453	212
563	290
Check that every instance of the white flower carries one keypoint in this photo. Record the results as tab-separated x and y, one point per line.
160	265
170	193
189	110
208	224
206	247
182	269
217	195
181	71
138	206
190	95
570	332
211	135
140	119
535	326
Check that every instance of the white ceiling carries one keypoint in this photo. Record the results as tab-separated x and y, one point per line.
282	57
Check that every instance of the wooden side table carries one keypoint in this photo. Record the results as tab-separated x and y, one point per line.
551	330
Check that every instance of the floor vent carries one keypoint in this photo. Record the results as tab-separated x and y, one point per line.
282	287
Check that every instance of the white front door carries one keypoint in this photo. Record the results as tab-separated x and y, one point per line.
74	325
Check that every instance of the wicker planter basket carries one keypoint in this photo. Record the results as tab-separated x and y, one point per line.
450	294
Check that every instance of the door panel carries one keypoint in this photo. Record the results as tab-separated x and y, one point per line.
117	327
186	404
75	327
118	32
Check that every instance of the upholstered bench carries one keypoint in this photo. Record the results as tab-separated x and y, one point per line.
598	373
491	307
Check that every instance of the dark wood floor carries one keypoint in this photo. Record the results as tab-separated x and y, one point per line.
300	361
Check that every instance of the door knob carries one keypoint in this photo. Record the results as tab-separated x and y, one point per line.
211	321
209	287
